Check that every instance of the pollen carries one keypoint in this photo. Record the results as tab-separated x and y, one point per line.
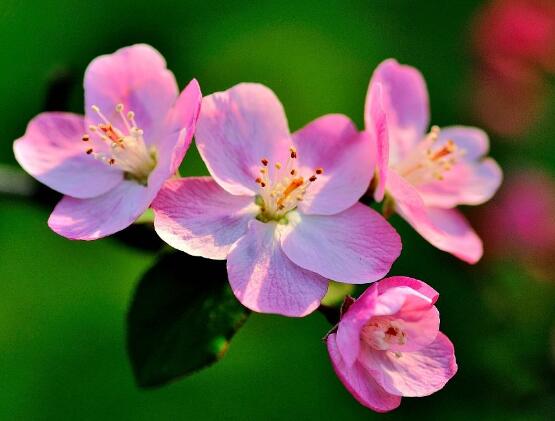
281	187
429	162
121	145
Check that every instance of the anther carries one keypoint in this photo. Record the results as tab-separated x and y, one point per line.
130	115
293	172
85	138
263	184
264	162
111	161
278	165
312	178
319	170
89	151
119	108
293	152
258	180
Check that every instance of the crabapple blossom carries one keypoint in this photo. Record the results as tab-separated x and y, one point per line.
110	163
281	208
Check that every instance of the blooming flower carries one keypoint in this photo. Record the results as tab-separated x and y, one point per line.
111	163
425	176
281	208
388	345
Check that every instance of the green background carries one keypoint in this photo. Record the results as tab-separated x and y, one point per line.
63	303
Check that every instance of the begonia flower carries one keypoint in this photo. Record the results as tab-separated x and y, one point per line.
110	163
425	176
281	208
388	345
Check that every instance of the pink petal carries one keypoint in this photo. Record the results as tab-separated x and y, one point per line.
375	119
236	129
405	101
197	216
417	285
52	151
333	143
136	77
180	127
265	280
356	246
473	180
360	383
446	229
473	140
352	322
90	219
418	373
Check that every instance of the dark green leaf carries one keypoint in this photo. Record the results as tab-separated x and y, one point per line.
181	319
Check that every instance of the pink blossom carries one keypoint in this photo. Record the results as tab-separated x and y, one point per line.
111	163
425	176
520	222
281	208
388	344
514	41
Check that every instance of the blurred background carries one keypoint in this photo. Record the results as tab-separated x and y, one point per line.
63	304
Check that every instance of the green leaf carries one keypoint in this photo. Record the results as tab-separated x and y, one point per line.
181	319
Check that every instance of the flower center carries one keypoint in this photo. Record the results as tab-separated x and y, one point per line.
124	147
281	187
382	333
429	162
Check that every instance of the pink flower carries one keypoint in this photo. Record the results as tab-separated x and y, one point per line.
388	345
281	208
111	163
521	222
514	42
425	176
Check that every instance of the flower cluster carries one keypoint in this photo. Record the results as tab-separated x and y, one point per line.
282	208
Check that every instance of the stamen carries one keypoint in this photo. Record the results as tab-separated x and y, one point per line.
285	187
128	150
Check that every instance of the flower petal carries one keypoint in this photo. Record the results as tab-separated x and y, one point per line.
197	216
52	151
352	322
180	127
236	129
136	77
375	119
356	246
90	219
473	180
418	373
417	285
265	280
405	101
360	383
332	142
446	229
